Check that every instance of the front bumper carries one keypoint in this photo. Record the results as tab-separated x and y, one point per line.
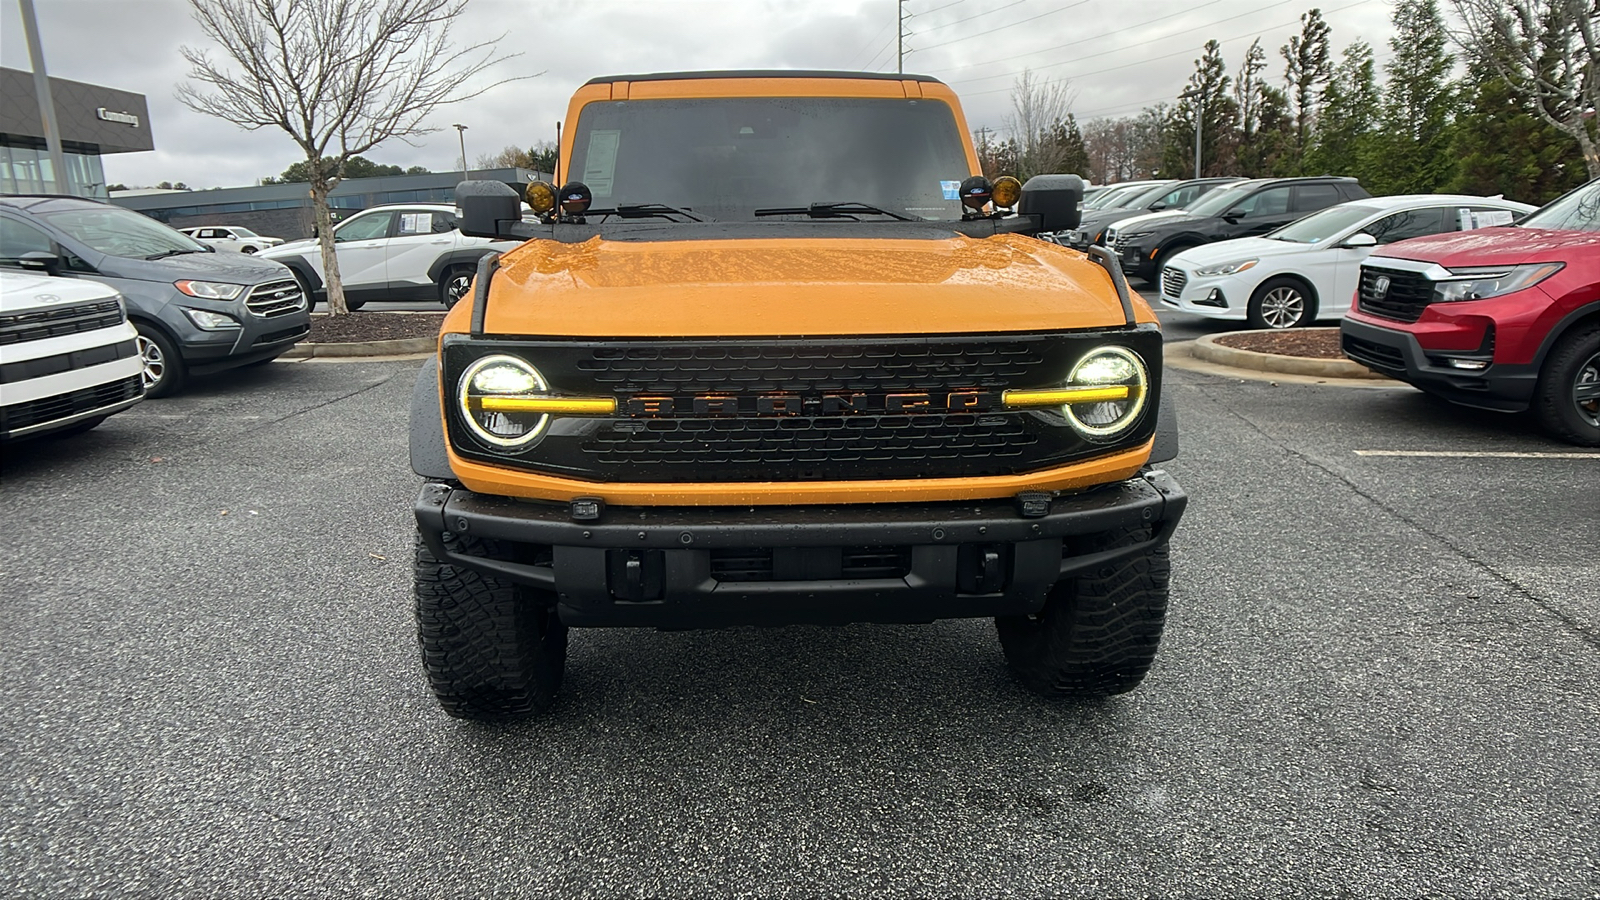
1502	387
1214	296
669	567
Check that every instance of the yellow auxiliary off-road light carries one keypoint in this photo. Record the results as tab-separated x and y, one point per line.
507	404
541	196
1007	191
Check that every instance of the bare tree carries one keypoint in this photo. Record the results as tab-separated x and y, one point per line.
1037	104
1548	51
339	77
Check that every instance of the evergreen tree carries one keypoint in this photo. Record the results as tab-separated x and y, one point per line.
1504	147
1352	109
1070	152
1420	104
1207	93
1309	70
1248	91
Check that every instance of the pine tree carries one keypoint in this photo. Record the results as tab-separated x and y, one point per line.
1505	148
1207	90
1420	105
1309	69
1352	109
1070	152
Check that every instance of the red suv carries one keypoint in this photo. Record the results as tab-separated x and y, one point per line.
1504	318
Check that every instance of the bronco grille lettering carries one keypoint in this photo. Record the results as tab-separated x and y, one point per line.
828	404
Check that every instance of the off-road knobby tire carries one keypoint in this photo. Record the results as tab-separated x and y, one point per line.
1099	631
493	650
1554	404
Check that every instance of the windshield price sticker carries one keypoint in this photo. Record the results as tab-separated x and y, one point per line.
1487	218
600	166
950	189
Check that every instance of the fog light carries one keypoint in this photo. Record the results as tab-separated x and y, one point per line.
1471	365
1214	298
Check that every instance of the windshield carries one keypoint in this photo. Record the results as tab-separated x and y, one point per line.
1110	198
1219	200
726	157
1143	198
1577	211
1319	226
115	231
243	232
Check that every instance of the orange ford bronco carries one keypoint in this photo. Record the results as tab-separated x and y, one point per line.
777	353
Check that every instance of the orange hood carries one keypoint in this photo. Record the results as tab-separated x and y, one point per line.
796	287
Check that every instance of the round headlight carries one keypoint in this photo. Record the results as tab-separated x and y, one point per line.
501	377
1108	367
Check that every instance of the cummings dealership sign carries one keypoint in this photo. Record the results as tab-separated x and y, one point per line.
121	118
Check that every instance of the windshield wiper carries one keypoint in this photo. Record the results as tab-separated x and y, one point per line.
645	211
166	253
848	209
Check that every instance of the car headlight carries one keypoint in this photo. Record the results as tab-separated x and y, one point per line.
1483	282
210	321
1229	268
209	290
508	404
1104	395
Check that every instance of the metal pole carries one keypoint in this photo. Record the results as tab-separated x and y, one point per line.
461	132
1199	122
47	105
900	37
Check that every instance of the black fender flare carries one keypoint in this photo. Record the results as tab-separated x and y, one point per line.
1166	441
305	271
1568	321
467	257
428	455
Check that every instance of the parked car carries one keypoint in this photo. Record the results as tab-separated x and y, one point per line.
196	310
1145	243
412	251
1505	318
1307	270
1115	192
68	355
231	237
1171	195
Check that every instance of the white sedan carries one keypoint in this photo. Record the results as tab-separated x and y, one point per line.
1308	270
231	237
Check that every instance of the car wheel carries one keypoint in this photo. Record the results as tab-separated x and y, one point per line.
1281	303
1567	402
248	249
492	649
164	372
457	282
1098	631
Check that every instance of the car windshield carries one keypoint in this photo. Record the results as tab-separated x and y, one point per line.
1110	198
1577	211
1143	198
243	232
115	231
1219	200
726	157
1319	226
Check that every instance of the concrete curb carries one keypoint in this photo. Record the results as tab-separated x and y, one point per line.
400	347
1180	355
1208	349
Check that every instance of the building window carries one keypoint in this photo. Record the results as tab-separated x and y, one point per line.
29	170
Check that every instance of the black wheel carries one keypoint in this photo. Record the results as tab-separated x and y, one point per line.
1160	263
1567	402
1281	303
455	284
247	249
492	649
1098	632
164	371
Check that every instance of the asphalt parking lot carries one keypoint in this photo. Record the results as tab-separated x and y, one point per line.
1379	679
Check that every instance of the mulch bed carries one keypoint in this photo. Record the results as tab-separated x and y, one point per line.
1312	343
372	326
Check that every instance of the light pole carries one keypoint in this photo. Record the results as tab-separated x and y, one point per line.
461	132
47	104
1197	97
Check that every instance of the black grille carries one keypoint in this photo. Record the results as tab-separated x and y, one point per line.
1172	282
38	324
273	337
752	410
809	564
275	298
18	416
1404	299
1374	355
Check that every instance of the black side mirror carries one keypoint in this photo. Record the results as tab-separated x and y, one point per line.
1232	218
41	261
488	208
1054	200
1158	206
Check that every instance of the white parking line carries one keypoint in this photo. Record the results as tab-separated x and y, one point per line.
1480	454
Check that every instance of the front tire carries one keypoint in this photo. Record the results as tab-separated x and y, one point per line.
1281	303
164	372
455	285
1567	401
493	650
1098	632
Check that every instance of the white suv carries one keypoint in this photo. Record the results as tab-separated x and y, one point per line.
232	237
68	355
411	251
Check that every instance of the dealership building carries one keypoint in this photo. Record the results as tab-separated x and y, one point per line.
93	121
284	210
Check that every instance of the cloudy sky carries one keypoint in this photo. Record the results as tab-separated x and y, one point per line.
1118	55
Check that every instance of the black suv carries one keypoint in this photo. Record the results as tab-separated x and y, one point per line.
1172	195
1245	209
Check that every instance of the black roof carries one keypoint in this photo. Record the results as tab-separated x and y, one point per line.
765	73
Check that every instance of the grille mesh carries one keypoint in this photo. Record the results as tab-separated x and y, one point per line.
1407	295
275	298
1173	281
49	409
36	325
